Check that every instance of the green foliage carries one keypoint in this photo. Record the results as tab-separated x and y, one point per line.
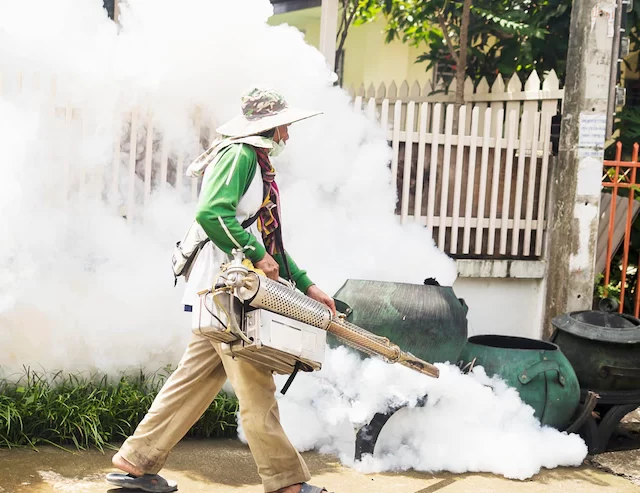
627	119
352	12
505	36
613	289
633	21
84	411
629	126
628	123
365	10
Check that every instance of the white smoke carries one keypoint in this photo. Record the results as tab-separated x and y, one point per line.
83	288
79	288
468	423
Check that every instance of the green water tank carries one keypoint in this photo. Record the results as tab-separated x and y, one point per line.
537	369
427	320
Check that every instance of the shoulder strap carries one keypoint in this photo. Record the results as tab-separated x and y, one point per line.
278	233
248	222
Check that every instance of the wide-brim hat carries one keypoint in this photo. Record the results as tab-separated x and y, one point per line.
262	110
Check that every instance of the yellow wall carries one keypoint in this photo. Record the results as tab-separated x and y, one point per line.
306	20
368	58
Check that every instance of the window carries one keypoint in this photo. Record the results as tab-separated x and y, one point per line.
633	92
282	6
445	71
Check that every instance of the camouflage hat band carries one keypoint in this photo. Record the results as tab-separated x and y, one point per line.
257	115
260	103
262	110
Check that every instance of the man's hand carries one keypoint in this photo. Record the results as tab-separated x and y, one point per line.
317	294
269	266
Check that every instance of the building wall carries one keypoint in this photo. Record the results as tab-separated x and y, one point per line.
504	306
369	60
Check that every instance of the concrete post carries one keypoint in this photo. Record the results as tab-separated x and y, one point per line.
576	183
329	31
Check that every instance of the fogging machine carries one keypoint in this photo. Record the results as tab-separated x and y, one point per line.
270	323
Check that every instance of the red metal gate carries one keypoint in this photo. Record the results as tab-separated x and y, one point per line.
621	176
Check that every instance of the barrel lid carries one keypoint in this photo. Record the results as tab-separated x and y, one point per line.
600	325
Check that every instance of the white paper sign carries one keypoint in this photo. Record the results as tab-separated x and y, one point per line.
593	127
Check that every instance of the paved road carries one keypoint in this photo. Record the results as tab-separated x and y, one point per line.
226	466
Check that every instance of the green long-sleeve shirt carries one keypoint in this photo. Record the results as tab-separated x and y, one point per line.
229	180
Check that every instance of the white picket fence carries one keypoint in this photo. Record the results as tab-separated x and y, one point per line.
475	176
481	188
151	159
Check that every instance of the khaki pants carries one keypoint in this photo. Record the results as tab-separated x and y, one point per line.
187	394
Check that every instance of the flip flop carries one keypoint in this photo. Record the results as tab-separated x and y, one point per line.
308	488
149	482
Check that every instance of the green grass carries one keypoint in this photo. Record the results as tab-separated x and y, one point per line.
84	411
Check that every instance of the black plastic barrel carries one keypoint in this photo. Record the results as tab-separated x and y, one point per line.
603	346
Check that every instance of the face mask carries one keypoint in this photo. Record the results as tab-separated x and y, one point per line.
278	147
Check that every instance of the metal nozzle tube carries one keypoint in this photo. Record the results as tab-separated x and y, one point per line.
380	346
261	292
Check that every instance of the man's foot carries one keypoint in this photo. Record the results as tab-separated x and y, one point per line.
301	488
126	466
294	488
147	482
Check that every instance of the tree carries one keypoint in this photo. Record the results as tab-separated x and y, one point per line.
481	37
352	12
475	38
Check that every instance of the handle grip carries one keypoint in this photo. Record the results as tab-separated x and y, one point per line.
619	371
539	368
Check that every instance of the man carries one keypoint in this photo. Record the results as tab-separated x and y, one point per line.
238	209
